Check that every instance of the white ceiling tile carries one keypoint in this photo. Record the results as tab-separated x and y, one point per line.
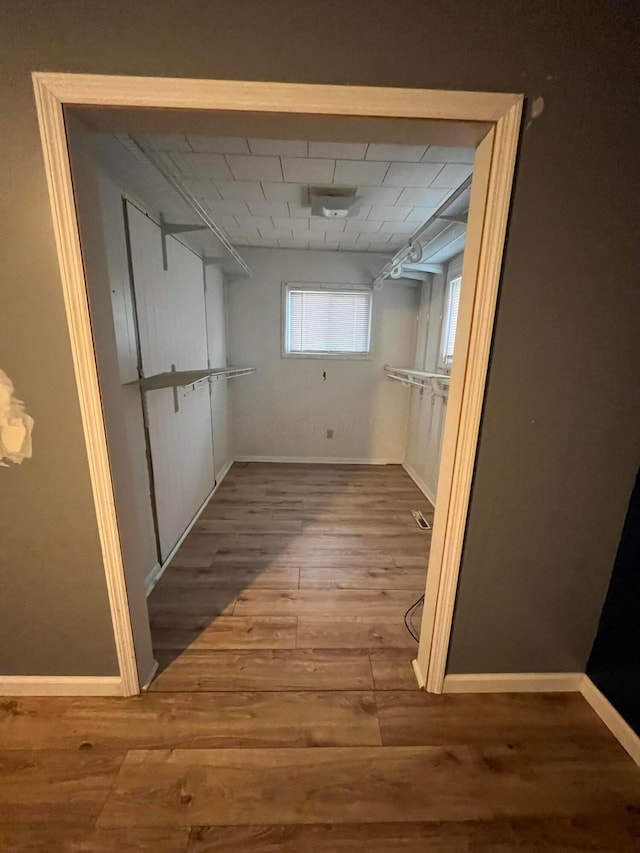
310	170
230	208
331	245
361	212
242	190
166	142
276	233
200	187
452	175
254	168
422	197
298	224
396	214
397	228
362	225
268	208
244	234
319	223
294	193
379	195
298	211
212	166
225	221
440	154
338	150
359	172
254	222
219	144
411	174
397	153
293	243
353	247
279	147
420	214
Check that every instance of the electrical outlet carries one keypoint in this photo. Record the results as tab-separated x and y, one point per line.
329	433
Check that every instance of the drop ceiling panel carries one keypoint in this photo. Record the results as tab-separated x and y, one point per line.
310	170
258	190
397	153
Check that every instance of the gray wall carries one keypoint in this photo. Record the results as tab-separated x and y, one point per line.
559	441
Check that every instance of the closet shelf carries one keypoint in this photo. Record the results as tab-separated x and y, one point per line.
435	383
189	378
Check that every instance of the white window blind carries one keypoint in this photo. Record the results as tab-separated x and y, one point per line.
451	321
328	321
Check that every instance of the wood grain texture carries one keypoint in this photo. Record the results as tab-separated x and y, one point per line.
189	720
287	719
272	669
338	785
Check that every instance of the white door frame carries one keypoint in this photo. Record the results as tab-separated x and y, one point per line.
490	199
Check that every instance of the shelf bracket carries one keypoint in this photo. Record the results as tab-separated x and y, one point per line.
169	228
176	399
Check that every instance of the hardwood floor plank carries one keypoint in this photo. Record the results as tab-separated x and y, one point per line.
558	779
317	577
191	720
273	669
319	602
586	832
414	717
352	632
393	668
50	839
230	632
237	576
55	786
336	785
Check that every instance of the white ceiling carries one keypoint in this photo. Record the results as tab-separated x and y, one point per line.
257	190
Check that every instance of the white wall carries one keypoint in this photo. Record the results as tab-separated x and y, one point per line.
170	308
285	409
427	412
219	389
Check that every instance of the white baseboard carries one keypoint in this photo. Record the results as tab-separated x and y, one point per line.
318	460
151	676
426	491
156	573
60	685
420	678
616	724
514	682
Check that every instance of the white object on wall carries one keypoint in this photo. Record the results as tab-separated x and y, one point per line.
16	426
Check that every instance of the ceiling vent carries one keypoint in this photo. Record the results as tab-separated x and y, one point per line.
334	202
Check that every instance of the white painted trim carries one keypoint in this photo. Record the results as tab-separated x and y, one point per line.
420	483
487	225
61	685
251	96
490	199
318	460
58	172
514	682
420	677
147	682
612	719
155	575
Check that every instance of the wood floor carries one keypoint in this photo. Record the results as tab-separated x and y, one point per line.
285	715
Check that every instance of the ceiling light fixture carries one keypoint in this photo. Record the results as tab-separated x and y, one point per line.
334	202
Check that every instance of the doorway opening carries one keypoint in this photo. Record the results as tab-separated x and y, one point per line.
291	310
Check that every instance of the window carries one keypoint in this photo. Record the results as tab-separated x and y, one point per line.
319	321
450	320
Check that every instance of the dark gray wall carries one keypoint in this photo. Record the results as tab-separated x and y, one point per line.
559	442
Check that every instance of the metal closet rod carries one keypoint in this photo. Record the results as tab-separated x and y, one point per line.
403	253
191	200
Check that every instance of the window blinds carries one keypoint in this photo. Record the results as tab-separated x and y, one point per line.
449	337
328	321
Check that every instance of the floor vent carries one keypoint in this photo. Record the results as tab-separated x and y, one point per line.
421	521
